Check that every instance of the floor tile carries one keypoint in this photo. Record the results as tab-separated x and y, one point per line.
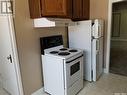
108	84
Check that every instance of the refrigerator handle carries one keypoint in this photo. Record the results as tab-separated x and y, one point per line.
97	45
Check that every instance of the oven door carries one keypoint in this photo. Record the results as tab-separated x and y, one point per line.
74	70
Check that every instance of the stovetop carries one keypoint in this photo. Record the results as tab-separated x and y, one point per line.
62	52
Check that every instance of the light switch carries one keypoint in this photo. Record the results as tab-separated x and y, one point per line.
6	7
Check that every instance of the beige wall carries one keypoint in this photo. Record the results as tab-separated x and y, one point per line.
29	46
99	9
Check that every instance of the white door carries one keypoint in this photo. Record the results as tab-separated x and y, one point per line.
97	58
8	69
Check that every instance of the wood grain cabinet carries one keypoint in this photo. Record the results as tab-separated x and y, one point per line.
80	9
72	9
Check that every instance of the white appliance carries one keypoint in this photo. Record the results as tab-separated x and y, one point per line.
53	22
88	35
62	67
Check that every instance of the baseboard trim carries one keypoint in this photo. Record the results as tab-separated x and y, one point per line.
106	71
39	92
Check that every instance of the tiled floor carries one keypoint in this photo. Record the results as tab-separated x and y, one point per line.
108	84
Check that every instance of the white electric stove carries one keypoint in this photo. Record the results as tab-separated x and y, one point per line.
63	53
62	67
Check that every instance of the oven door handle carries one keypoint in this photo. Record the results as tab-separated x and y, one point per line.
74	59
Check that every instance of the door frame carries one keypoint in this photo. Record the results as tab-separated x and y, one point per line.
15	54
109	33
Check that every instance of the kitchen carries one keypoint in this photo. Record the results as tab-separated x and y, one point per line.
28	41
50	31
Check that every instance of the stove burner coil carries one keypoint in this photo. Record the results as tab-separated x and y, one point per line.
64	53
54	52
63	49
73	50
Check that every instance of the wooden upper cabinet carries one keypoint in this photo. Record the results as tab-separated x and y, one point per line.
56	8
77	9
72	9
80	10
35	8
85	9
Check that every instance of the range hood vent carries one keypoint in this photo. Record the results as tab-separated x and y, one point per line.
53	22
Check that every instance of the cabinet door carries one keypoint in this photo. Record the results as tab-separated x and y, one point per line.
85	9
35	8
80	9
56	8
77	9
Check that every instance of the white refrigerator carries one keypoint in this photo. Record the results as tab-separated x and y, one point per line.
88	35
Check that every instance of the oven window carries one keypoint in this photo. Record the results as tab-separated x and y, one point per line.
74	68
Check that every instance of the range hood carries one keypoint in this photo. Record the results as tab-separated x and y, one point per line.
53	22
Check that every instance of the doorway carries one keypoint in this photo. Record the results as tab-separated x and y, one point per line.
118	47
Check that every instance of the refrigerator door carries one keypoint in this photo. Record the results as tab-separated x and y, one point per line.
97	28
97	58
80	37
